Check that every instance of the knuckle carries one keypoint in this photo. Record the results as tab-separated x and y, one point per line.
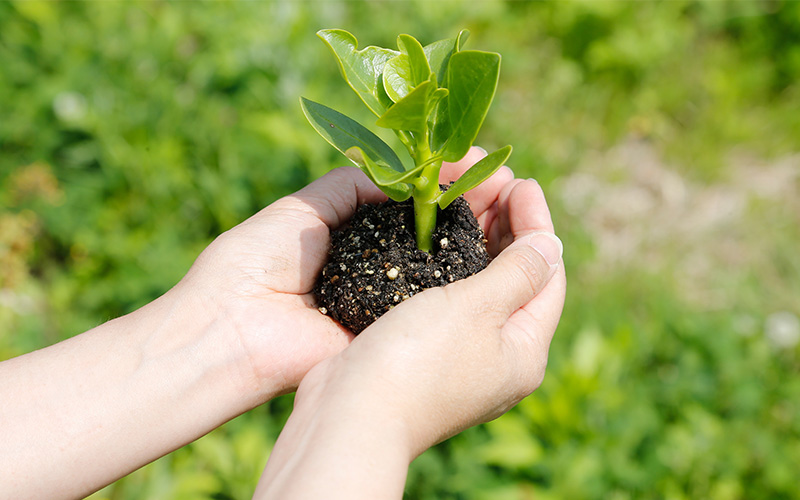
468	307
529	269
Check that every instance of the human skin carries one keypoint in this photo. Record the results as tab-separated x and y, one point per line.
446	359
239	329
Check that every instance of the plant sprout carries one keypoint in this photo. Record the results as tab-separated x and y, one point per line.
434	98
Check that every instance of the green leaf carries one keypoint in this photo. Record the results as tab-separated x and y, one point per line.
417	61
475	175
472	81
440	125
438	119
397	77
404	72
411	112
438	95
383	96
389	181
439	54
361	69
343	133
381	175
461	39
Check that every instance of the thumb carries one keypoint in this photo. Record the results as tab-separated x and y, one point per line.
518	274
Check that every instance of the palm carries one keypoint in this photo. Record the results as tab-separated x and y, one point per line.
279	254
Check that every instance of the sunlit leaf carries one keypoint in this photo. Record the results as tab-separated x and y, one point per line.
402	73
420	70
439	52
439	124
475	175
389	181
343	133
397	77
411	112
361	69
383	96
472	81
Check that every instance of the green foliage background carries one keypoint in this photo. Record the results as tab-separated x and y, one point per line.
666	135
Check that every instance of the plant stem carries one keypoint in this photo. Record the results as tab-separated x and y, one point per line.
426	194
405	138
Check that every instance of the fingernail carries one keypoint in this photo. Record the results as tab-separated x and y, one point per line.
548	245
483	151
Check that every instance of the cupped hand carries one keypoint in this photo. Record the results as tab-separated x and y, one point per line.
452	357
256	280
489	203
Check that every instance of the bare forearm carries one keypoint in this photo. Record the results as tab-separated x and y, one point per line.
337	446
100	405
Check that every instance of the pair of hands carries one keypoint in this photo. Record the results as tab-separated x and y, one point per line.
241	328
442	361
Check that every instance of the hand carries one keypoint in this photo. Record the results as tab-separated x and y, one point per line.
257	279
453	357
236	331
258	276
239	329
489	203
444	360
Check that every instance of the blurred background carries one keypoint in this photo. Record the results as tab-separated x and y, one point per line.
666	136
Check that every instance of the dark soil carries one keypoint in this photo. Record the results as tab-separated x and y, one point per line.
374	263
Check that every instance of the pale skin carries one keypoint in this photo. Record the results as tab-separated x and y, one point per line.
241	328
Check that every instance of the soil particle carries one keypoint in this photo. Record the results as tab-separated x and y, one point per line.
374	263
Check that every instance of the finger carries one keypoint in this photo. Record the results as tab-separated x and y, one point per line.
499	232
482	197
521	209
515	277
539	317
487	218
334	197
527	209
529	331
299	225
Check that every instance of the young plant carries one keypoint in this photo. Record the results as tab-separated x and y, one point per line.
434	98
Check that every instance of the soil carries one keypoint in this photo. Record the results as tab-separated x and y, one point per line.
374	263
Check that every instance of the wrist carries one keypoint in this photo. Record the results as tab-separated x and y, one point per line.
192	335
377	393
337	439
335	401
219	325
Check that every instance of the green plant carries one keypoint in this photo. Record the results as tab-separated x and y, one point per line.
434	98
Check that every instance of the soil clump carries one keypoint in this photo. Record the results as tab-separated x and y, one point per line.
374	263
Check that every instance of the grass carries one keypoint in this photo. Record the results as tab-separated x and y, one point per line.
665	135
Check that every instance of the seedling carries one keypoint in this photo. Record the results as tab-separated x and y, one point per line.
434	98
